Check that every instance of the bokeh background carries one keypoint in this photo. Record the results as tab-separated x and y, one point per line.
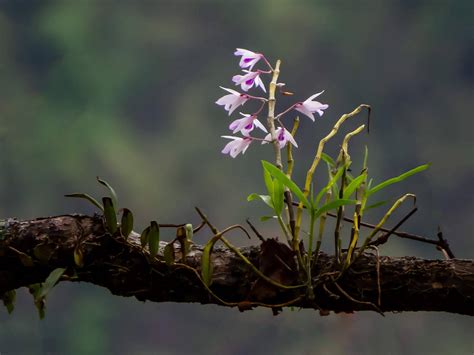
126	90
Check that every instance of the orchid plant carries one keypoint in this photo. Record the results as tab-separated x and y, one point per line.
346	194
340	191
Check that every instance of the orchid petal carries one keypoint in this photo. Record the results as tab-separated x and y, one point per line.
314	96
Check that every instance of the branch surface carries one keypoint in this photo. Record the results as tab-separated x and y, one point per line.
31	249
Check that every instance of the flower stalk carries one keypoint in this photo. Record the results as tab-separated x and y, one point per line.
271	114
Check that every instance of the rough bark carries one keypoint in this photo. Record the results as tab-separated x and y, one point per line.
30	250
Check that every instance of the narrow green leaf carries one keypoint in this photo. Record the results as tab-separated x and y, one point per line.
354	184
154	238
110	215
40	303
113	194
280	176
268	182
50	282
126	224
144	236
266	218
369	184
397	179
265	198
375	205
330	184
333	205
278	198
88	198
9	298
168	253
330	161
334	187
206	264
366	158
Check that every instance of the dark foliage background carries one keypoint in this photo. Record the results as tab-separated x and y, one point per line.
126	89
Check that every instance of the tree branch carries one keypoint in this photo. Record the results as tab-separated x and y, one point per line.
30	250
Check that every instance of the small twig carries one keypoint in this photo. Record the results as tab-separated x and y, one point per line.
384	238
443	244
280	305
171	225
349	297
404	235
199	227
330	293
205	220
257	233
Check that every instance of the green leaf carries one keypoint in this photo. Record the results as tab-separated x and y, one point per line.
397	179
330	161
206	264
266	218
354	185
88	198
268	181
366	158
330	184
265	198
278	198
144	236
280	176
154	238
333	205
110	215
375	205
50	282
369	185
168	253
126	224
9	298
113	194
40	303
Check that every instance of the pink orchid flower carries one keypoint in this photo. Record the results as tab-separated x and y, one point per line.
246	124
247	81
233	100
308	107
249	58
283	137
236	146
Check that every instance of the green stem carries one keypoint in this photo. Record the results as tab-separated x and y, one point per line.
310	255
284	228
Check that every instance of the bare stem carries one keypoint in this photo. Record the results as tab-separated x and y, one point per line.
271	114
317	158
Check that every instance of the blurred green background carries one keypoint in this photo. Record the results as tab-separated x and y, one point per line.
126	90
